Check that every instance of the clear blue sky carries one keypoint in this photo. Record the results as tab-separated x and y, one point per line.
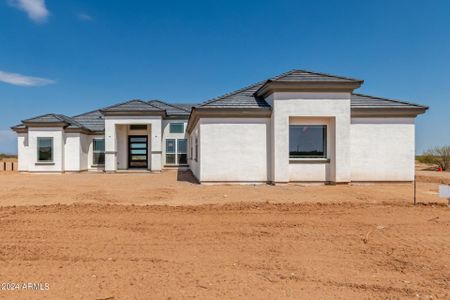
89	54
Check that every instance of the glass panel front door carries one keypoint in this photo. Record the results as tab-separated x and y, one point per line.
137	152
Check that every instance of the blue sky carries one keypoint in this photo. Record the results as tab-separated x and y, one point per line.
74	56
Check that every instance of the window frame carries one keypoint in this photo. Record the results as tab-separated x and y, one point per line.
176	153
182	153
98	151
191	147
307	157
176	123
52	156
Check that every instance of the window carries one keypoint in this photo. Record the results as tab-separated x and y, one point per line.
307	141
176	151
99	152
176	128
45	149
191	144
196	149
182	151
170	151
138	127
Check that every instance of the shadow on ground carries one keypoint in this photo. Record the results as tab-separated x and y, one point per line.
186	176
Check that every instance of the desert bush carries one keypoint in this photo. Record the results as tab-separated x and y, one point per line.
439	156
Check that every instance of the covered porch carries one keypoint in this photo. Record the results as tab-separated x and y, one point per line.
133	136
133	143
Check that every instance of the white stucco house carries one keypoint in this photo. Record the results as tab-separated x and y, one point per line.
299	126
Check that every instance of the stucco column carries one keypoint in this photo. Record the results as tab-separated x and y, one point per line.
342	164
279	146
110	146
155	146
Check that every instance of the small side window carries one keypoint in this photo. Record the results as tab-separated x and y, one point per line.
196	149
170	151
99	152
176	128
182	151
45	149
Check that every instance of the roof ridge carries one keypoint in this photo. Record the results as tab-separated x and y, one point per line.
389	99
163	102
87	113
173	105
67	118
40	116
128	101
317	73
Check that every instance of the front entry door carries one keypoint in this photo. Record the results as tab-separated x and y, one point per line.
137	152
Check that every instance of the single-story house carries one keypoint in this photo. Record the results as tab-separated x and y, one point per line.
299	126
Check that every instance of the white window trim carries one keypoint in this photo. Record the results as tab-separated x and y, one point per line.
97	151
43	162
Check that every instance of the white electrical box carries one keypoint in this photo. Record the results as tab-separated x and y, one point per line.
444	191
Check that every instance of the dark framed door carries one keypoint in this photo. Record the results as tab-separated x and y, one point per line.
137	152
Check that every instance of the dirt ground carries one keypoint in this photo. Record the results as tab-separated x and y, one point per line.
160	236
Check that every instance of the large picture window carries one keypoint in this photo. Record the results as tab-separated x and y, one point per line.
307	141
176	151
45	149
99	152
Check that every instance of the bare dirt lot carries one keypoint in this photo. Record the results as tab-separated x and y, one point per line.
110	238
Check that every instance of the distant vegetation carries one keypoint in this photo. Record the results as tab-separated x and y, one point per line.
438	156
3	155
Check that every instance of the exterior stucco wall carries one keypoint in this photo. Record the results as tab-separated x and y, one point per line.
122	147
57	134
84	151
234	149
23	152
72	152
334	106
167	135
382	149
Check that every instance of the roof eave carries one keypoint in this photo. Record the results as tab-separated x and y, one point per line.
226	112
45	124
388	112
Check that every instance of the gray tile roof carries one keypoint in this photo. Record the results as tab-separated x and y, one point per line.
366	101
47	118
186	106
55	118
131	106
244	98
171	109
92	120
